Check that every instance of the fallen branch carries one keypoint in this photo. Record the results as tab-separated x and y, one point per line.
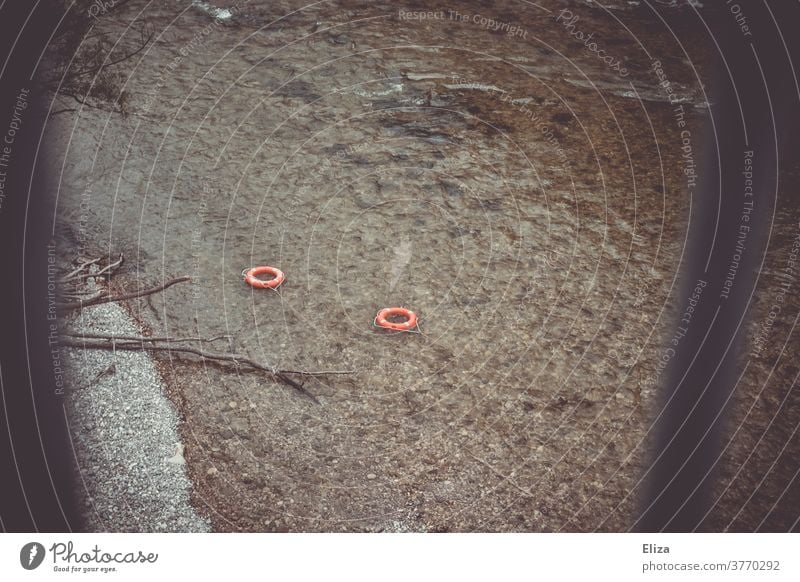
130	339
78	269
110	268
111	343
109	299
80	273
85	297
136	338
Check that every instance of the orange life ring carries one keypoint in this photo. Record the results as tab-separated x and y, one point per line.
382	319
253	281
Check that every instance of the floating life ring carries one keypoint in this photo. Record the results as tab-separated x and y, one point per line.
250	275
382	319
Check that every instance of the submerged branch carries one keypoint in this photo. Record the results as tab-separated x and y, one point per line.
133	343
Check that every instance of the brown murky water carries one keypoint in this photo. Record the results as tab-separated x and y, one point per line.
509	188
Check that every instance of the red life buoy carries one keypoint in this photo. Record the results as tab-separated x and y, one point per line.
382	319
253	281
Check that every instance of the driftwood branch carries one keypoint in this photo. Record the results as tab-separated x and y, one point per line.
109	298
83	272
72	274
232	358
108	268
136	341
85	297
60	111
133	343
137	338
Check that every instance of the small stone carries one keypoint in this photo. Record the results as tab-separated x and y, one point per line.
241	428
176	460
371	476
213	471
233	404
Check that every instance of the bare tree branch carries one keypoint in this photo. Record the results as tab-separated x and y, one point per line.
108	268
67	110
235	359
130	339
143	44
136	338
81	271
79	268
109	299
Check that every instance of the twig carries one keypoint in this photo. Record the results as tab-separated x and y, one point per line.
79	274
110	268
80	268
136	338
60	111
109	299
143	44
82	101
83	296
235	359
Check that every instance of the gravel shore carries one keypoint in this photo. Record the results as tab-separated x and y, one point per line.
131	471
